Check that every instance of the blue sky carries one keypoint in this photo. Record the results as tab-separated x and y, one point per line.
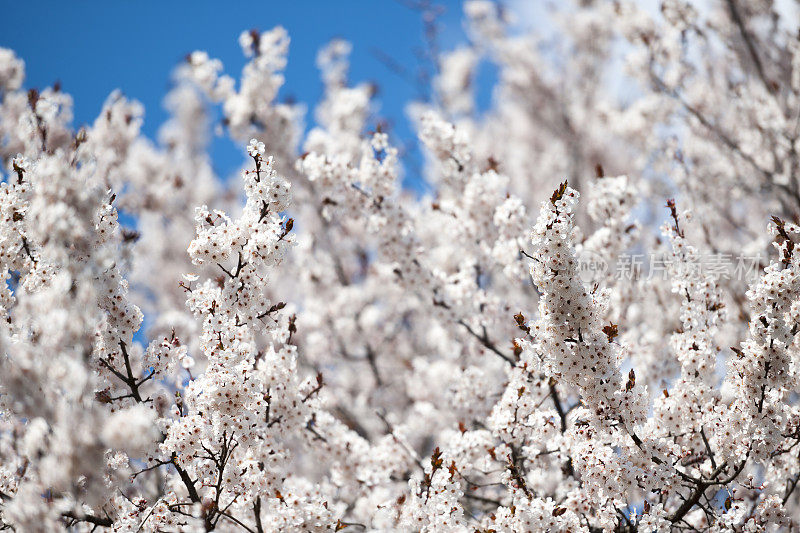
93	48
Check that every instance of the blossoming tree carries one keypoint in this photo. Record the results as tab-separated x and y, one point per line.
314	348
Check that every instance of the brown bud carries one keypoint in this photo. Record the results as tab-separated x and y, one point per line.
559	193
102	396
611	331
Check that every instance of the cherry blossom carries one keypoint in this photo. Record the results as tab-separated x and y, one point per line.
586	321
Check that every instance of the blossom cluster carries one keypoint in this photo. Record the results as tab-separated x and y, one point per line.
311	347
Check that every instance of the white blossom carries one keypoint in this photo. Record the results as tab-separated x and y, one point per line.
313	347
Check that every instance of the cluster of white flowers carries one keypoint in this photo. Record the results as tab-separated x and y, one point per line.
313	348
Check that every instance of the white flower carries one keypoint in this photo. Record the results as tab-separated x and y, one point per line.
131	430
20	163
255	148
246	43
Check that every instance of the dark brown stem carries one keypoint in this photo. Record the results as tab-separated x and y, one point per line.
96	520
559	408
748	41
257	513
484	340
